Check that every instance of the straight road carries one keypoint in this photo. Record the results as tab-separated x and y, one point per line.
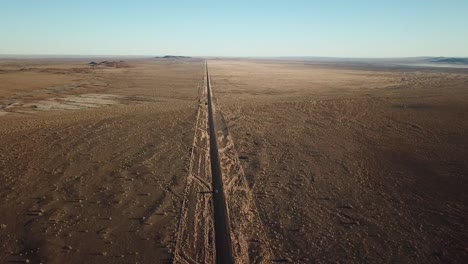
221	224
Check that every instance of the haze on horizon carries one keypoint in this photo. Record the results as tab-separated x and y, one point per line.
361	28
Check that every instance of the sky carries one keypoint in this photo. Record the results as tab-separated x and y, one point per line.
331	28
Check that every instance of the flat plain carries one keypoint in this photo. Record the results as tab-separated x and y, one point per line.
351	163
93	159
322	162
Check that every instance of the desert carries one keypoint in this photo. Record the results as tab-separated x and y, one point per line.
320	161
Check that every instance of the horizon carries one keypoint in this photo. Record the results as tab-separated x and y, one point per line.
211	56
336	29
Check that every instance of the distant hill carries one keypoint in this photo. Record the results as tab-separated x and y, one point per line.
173	57
114	64
450	60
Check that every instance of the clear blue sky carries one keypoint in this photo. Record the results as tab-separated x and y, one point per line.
347	28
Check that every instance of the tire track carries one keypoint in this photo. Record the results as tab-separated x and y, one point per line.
219	219
194	242
248	237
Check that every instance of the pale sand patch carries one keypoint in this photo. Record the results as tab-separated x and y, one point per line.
75	102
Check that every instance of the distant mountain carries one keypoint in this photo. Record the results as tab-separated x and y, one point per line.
450	60
173	57
114	64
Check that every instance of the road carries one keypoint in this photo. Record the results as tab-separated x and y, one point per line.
221	223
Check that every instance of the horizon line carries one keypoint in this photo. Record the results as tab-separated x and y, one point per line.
223	56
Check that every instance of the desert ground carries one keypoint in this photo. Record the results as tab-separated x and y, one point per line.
322	162
93	161
351	163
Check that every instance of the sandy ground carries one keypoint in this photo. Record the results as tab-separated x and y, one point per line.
351	164
321	162
93	162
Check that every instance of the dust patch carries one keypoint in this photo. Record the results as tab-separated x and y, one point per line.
75	102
